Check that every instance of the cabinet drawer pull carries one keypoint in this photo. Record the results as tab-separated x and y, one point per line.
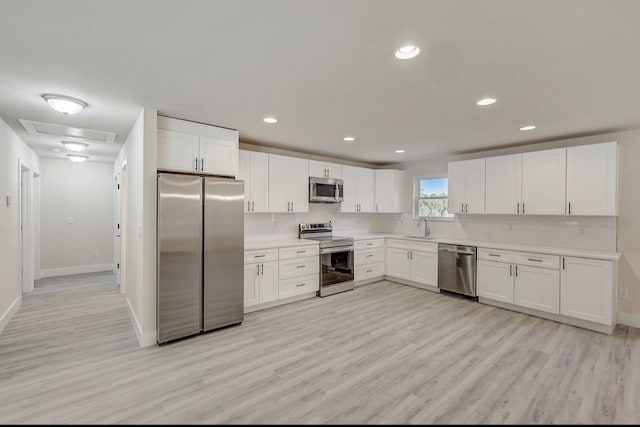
369	256
510	270
301	284
536	260
369	271
300	252
301	266
495	255
369	244
260	256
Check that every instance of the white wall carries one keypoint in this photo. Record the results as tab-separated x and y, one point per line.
139	156
83	191
12	148
588	233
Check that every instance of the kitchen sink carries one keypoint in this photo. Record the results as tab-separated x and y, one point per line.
420	237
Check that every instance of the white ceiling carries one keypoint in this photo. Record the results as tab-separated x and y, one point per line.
326	70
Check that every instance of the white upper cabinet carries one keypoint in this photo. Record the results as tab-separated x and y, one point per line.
592	179
185	146
253	168
288	184
467	186
543	182
504	184
389	190
325	169
358	189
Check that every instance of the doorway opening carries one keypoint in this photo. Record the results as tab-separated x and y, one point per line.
121	218
27	227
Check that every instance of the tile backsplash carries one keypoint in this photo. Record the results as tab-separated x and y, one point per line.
589	233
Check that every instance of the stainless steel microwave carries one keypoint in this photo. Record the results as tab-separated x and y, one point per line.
325	190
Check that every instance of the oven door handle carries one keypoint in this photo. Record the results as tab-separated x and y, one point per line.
336	249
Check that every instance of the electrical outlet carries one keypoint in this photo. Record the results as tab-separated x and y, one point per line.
624	292
94	253
580	231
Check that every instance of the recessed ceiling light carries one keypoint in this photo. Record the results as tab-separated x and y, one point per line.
77	157
528	127
349	139
65	104
74	146
407	52
400	151
486	101
270	120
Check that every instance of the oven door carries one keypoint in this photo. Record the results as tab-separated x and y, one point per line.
336	266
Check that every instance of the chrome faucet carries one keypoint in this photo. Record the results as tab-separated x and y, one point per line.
427	230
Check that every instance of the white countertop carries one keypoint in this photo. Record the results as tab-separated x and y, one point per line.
250	245
499	245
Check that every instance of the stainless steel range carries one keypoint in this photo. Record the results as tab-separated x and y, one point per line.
336	257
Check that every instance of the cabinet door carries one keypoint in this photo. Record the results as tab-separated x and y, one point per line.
544	182
219	156
365	189
503	184
349	178
474	186
251	284
335	170
177	151
424	267
457	185
279	176
592	179
259	181
537	288
398	263
268	282
587	290
318	169
495	281
299	184
244	173
389	190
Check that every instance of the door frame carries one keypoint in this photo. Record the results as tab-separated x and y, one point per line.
123	227
26	226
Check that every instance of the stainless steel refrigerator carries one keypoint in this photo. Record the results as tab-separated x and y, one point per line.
200	261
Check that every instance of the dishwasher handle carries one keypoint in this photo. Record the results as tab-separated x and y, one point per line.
456	251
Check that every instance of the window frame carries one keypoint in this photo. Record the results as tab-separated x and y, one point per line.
416	198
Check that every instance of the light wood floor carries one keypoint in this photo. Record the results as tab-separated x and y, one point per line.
384	353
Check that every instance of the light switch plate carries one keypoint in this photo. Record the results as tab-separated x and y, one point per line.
71	220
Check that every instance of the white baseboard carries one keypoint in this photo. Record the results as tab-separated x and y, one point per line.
68	271
145	339
4	320
629	319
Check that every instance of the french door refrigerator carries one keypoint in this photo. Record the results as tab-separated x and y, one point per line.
200	259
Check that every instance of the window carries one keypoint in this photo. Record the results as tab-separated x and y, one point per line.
431	198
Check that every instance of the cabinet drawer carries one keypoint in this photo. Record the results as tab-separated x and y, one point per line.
538	260
398	243
369	256
299	252
368	271
261	255
299	267
496	255
298	285
369	244
424	247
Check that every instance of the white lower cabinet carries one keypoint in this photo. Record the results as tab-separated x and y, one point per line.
588	289
537	288
414	261
260	283
495	281
368	259
299	285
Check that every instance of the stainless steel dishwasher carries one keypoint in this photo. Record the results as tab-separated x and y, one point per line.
457	269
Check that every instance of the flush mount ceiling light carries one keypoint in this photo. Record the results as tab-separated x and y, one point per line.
348	139
399	151
56	150
407	52
528	127
65	104
270	120
486	101
77	157
74	146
